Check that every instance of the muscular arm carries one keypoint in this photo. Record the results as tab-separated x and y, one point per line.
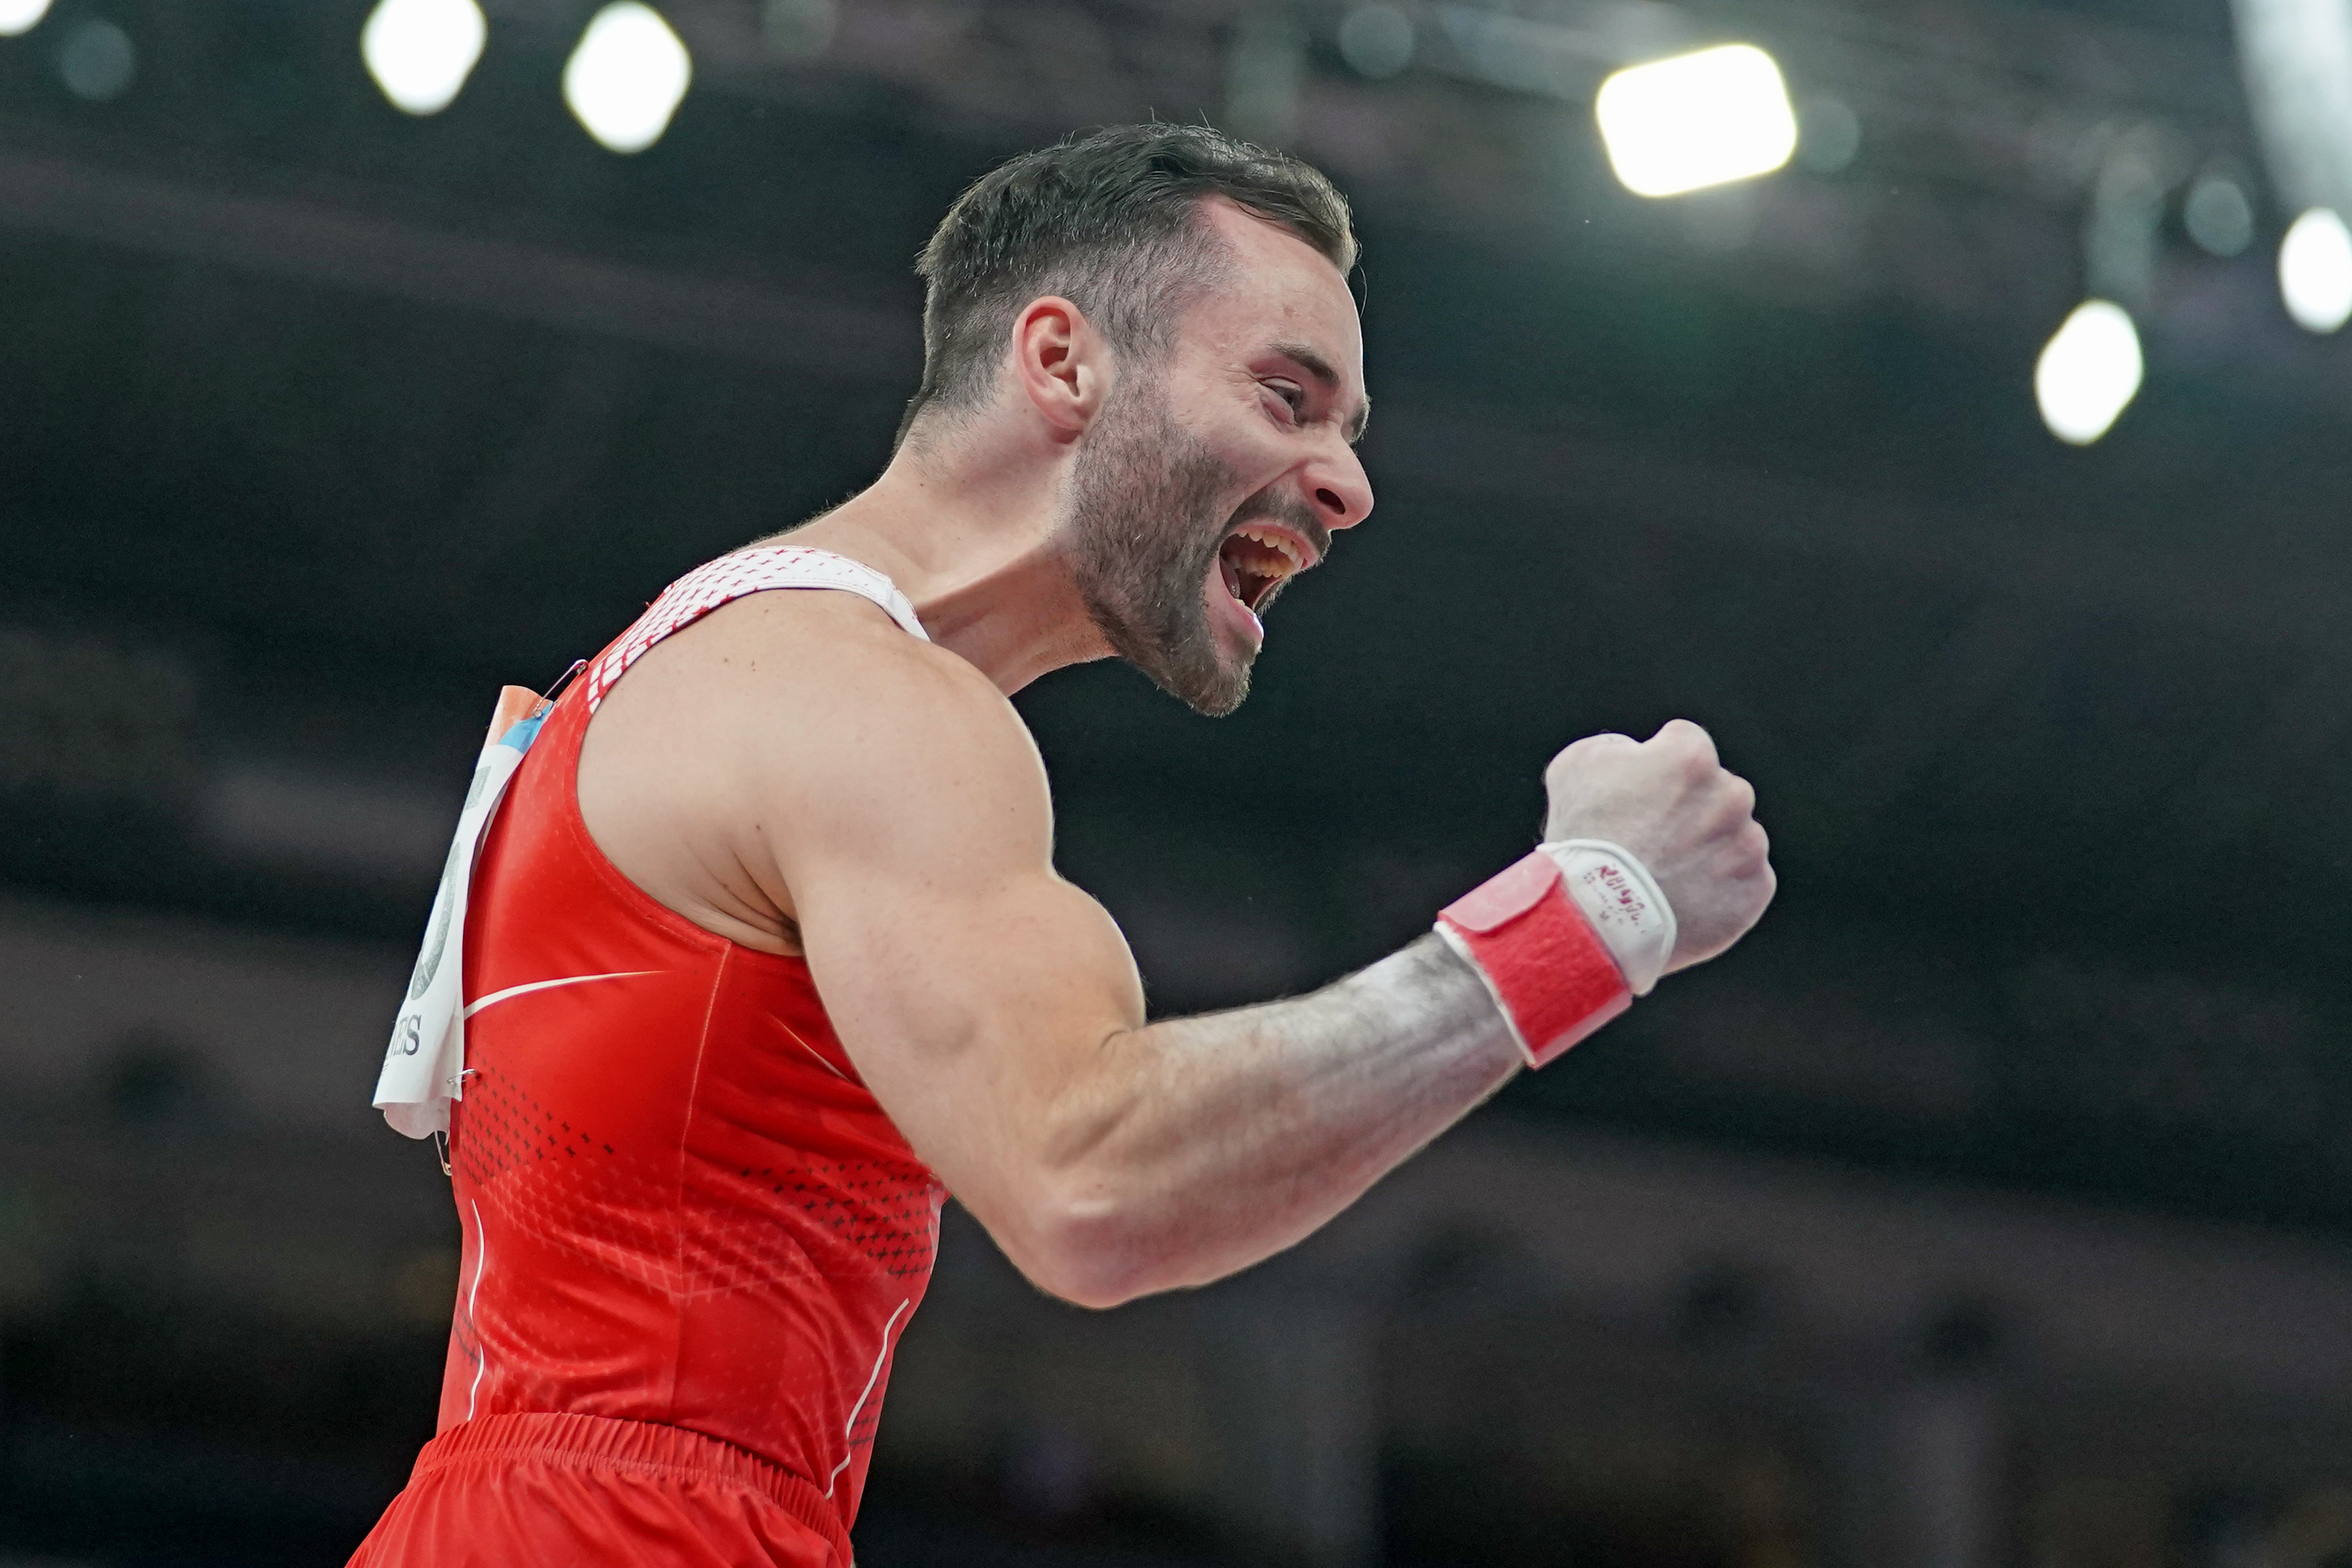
1180	1152
996	1011
1242	1133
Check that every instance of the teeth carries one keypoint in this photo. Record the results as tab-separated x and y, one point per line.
1277	543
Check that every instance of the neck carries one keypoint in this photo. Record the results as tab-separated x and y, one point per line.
971	544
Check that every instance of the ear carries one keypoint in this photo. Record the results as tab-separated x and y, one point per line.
1061	363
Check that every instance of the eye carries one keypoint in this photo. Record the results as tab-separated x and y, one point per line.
1293	397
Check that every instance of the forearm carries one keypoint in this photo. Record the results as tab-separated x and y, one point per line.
995	1012
1195	1147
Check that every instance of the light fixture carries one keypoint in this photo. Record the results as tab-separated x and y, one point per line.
97	61
2218	216
21	15
2088	371
1698	120
2314	269
421	51
626	76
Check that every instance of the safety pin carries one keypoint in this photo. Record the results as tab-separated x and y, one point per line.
547	699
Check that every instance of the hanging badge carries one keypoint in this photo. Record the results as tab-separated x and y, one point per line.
424	1067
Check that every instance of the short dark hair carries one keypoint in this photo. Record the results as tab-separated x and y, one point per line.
1110	221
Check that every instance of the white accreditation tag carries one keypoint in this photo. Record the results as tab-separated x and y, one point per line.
425	1068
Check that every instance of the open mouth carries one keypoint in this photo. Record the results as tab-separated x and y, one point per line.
1255	562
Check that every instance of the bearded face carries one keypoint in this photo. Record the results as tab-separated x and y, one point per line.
1153	549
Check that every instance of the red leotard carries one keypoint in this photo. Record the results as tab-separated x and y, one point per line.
692	1236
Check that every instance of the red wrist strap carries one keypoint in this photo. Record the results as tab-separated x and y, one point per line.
1553	976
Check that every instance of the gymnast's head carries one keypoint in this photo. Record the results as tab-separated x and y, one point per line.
1161	316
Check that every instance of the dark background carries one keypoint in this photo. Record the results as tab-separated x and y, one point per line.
319	422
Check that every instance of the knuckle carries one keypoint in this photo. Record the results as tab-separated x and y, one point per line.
1683	732
1568	756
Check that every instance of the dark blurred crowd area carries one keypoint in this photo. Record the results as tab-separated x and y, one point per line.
1988	1208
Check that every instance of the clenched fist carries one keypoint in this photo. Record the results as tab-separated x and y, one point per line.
1671	801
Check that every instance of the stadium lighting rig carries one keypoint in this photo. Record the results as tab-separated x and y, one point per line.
1673	120
626	77
420	52
2315	271
1693	120
2088	373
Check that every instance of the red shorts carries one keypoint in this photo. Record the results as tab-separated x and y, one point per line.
503	1490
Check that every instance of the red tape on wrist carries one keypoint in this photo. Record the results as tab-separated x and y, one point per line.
1553	976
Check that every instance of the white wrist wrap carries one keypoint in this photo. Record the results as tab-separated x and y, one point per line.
1623	902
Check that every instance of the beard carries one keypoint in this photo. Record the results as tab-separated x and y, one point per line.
1144	522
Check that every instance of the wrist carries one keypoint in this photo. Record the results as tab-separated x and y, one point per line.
1627	908
1563	940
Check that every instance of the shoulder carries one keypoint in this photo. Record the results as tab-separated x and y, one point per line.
819	702
835	655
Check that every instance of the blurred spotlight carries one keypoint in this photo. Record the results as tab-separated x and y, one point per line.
97	61
2218	216
800	29
19	15
421	51
1376	41
2088	371
2314	268
1695	121
1829	135
627	76
2296	59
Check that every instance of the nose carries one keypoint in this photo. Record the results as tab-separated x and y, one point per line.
1339	489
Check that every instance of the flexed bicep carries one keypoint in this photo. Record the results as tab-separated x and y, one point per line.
971	985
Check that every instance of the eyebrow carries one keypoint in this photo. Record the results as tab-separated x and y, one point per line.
1316	366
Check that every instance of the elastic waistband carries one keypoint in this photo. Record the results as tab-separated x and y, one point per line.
604	1442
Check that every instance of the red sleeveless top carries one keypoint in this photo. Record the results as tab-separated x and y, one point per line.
680	1202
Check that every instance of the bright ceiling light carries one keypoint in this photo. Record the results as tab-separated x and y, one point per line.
628	76
19	15
2088	371
2315	270
1693	120
421	51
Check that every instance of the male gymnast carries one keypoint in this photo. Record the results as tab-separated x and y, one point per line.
772	957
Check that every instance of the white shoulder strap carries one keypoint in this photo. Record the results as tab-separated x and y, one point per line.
730	577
